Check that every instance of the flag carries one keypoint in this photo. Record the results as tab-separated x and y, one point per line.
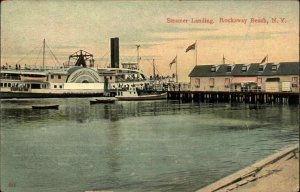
173	61
191	47
264	60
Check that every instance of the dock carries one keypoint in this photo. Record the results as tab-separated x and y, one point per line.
239	97
276	173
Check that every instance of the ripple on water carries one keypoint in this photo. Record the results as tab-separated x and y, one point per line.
135	146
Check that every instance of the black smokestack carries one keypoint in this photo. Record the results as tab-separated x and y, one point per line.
114	52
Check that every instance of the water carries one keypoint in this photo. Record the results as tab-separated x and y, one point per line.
135	146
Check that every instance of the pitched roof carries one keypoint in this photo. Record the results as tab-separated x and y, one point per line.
268	70
288	68
201	71
284	68
205	71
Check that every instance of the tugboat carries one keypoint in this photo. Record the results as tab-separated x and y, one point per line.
138	94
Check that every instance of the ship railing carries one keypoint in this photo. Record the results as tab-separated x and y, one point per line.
257	89
179	86
34	68
20	89
10	78
129	80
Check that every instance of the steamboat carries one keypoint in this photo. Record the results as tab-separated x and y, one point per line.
77	80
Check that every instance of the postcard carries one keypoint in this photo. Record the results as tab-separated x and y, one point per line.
149	96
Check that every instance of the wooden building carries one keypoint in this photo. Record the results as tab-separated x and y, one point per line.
255	77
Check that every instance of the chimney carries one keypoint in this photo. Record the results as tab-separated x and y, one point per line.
114	52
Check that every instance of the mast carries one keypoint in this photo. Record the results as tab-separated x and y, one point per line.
44	42
138	56
176	70
195	53
153	70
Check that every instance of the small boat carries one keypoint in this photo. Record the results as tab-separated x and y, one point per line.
140	95
45	107
103	100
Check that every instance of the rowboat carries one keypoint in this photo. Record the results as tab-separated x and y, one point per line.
103	100
45	107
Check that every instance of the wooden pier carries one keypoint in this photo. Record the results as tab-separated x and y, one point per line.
238	97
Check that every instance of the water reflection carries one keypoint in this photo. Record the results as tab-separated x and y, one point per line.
136	146
112	151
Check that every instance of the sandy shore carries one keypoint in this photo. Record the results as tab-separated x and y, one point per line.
276	173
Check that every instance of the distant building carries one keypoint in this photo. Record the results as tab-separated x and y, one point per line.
256	77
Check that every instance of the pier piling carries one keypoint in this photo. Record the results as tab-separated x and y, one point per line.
239	97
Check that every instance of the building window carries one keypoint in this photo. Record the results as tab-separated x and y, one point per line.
60	86
295	82
213	69
59	76
227	82
52	76
274	67
110	77
211	82
5	84
259	81
9	85
55	86
261	68
228	69
197	83
244	68
1	84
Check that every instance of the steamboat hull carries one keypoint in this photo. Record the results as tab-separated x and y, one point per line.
11	95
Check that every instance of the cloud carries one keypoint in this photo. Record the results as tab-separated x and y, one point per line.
66	47
161	35
250	36
274	32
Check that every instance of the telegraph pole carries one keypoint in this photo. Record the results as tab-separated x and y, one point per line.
44	54
154	69
138	56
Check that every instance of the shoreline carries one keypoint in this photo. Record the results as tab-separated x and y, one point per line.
277	172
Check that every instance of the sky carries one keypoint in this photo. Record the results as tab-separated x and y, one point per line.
69	26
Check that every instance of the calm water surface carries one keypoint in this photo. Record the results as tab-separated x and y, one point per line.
135	146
